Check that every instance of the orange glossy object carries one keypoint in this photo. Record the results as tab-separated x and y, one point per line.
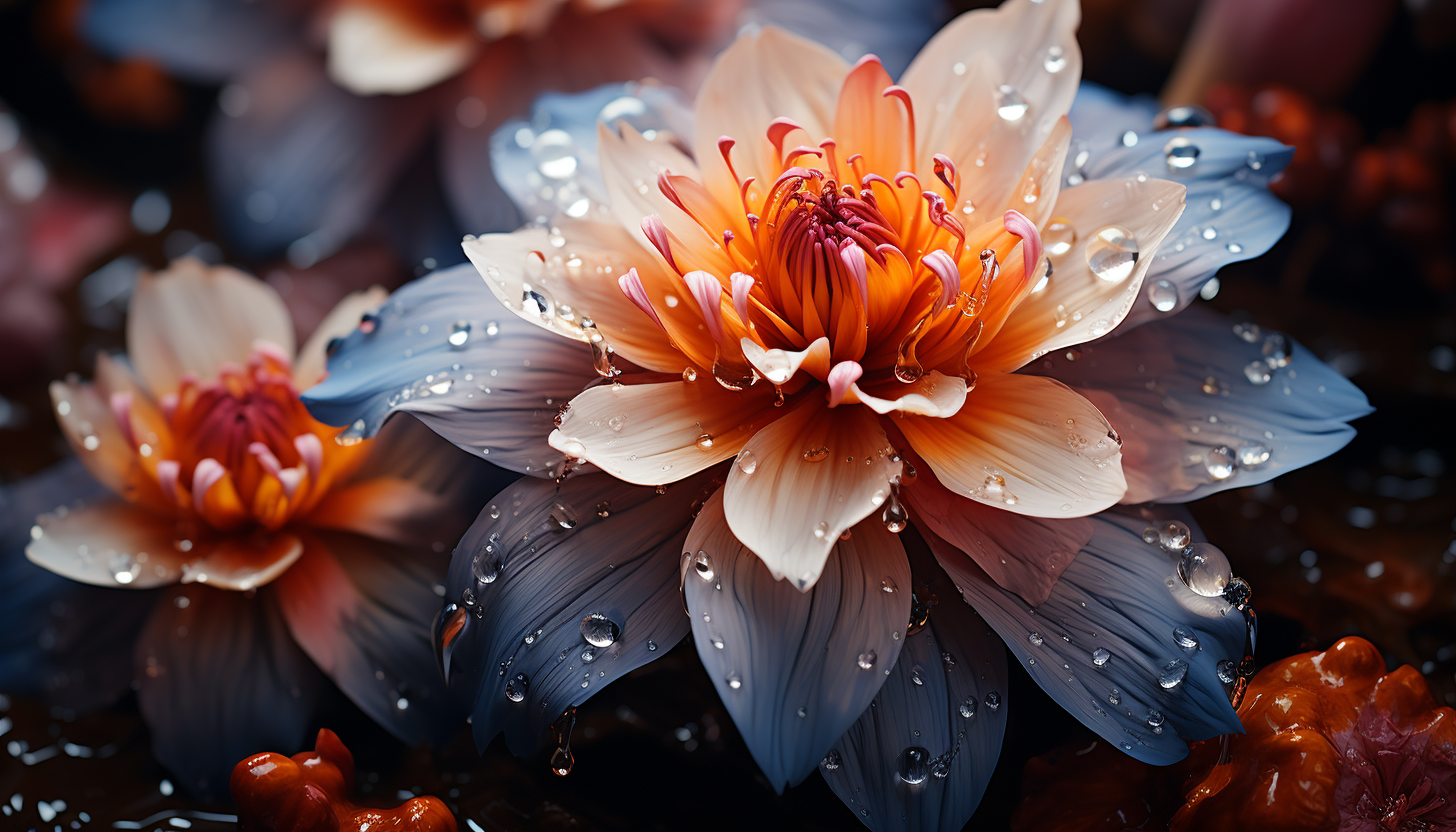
310	793
1332	742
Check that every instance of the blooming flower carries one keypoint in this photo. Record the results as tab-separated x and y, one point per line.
843	309
1332	741
279	557
337	115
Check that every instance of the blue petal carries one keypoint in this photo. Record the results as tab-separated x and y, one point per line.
1124	596
1229	214
67	642
494	394
362	610
307	164
549	165
207	40
795	669
538	563
1179	389
893	31
220	678
946	698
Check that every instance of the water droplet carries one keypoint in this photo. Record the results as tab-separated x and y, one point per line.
1237	593
1220	462
993	700
599	630
1112	254
1058	238
351	435
917	675
459	335
1181	153
1101	656
1204	569
1155	721
1055	61
1172	674
1009	103
516	688
536	302
716	642
818	454
1226	672
947	661
705	442
554	154
561	759
703	565
1257	372
831	760
734	681
563	516
888	585
968	707
1276	350
866	660
1163	295
487	566
1185	638
1035	639
1114	697
124	568
1174	536
747	462
894	515
604	509
1253	455
913	765
651	646
1247	332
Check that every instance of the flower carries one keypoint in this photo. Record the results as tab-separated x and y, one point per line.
1331	740
378	112
310	793
813	381
248	556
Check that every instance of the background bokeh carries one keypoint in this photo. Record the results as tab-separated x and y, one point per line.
1361	543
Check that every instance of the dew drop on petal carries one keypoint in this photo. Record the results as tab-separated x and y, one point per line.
1257	372
1101	656
1055	61
1204	569
1173	674
1112	254
459	335
599	630
703	565
866	660
1163	295
1010	105
914	766
1181	153
747	462
516	688
831	760
1058	237
1185	638
1220	462
1253	455
1174	536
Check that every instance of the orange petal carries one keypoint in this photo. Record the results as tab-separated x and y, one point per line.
1025	444
98	441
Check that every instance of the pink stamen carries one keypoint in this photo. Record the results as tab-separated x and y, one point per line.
841	376
854	260
265	457
905	174
290	479
945	171
311	450
945	269
273	352
903	95
1017	223
656	231
209	472
742	285
778	129
631	286
168	470
664	184
121	410
708	292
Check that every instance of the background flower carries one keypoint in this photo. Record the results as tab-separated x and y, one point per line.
250	557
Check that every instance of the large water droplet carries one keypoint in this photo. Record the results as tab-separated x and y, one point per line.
894	515
516	688
487	565
968	707
1101	656
1204	569
705	442
1112	254
703	565
1174	536
1010	105
866	660
459	335
1257	372
1185	638
1058	237
993	700
1173	674
1226	672
1181	153
747	462
124	568
1055	61
816	454
554	154
734	681
1036	639
1163	295
536	302
599	630
1219	461
1253	455
914	765
563	516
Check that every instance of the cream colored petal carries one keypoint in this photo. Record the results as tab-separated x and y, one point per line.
778	366
242	562
968	84
581	276
936	395
803	481
193	318
311	365
656	433
149	426
91	429
1035	193
1025	444
109	543
762	76
1081	303
372	51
